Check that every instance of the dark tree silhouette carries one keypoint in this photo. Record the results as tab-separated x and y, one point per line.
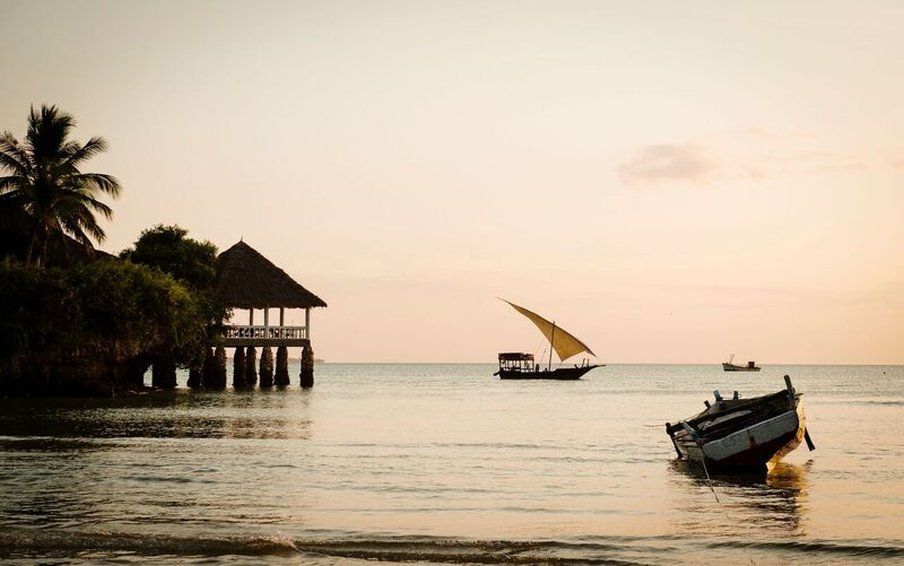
45	189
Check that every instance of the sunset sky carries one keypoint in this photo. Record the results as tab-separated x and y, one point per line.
672	182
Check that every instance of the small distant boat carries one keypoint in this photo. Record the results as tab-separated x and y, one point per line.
729	366
733	434
517	365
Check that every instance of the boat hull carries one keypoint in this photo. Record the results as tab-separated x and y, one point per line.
559	374
732	367
754	447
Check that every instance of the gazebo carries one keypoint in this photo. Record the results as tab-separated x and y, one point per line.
248	280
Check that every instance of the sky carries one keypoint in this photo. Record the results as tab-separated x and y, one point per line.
672	182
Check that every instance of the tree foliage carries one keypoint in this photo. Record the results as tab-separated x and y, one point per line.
82	327
70	322
169	249
191	262
45	193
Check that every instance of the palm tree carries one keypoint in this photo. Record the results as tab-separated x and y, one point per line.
45	189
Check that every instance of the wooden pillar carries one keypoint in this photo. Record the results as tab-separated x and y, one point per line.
307	367
282	316
266	367
266	322
238	368
250	366
250	317
163	374
196	369
219	380
282	367
307	354
208	369
134	371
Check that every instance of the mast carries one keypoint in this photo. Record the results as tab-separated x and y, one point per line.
552	338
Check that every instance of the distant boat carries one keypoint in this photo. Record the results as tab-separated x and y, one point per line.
517	365
743	433
729	366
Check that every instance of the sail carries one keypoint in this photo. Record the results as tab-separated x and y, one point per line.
562	342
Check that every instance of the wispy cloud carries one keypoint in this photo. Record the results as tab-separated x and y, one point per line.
668	163
742	155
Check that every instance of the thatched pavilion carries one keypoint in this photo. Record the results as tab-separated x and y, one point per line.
248	280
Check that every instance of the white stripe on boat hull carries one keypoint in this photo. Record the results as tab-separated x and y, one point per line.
788	423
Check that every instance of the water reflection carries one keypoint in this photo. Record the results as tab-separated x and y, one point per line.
27	462
245	415
153	459
773	502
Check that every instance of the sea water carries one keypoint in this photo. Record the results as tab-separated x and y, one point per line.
445	463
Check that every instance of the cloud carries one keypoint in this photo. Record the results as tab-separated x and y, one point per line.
751	155
668	163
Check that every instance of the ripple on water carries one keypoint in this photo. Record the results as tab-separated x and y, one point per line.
443	463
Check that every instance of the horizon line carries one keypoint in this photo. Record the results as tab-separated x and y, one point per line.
762	365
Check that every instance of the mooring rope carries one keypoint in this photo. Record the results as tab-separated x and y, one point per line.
699	442
709	480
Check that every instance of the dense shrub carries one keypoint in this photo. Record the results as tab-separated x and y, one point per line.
191	262
91	328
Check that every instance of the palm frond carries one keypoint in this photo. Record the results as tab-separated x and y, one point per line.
47	133
11	183
75	231
12	156
77	218
81	153
9	163
83	198
98	206
99	181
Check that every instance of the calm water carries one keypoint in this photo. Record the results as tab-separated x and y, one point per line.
444	463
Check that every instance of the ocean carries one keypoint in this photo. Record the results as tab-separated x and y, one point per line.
443	463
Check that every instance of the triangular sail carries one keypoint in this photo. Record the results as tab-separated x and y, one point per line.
562	342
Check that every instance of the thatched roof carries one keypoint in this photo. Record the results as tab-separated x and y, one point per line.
246	279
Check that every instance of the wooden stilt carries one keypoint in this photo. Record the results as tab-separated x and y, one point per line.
208	368
219	374
196	370
307	367
282	367
163	374
266	367
238	368
250	366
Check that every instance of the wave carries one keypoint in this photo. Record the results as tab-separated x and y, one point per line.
888	402
819	547
33	543
24	543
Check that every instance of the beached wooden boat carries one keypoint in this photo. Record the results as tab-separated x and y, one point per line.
730	366
517	365
742	433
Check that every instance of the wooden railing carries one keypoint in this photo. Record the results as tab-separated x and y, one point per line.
267	332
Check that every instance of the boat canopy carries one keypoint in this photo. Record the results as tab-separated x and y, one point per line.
562	342
515	357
